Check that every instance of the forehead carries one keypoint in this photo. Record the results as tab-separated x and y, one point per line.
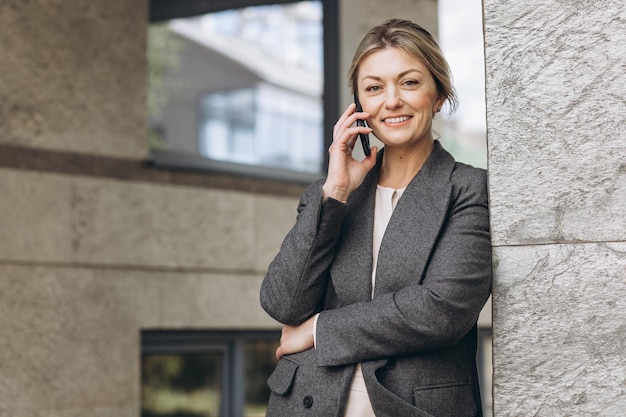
389	62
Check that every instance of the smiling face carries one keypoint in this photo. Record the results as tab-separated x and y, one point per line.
400	95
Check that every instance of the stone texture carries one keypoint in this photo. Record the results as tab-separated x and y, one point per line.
556	119
212	301
36	217
73	75
58	218
97	411
555	110
560	330
71	336
273	218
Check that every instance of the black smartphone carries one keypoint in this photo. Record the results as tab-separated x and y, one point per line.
365	138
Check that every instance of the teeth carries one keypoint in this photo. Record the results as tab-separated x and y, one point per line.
396	119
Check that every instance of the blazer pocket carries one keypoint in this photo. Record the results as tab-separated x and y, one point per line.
446	400
281	380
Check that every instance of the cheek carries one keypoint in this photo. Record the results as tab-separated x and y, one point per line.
425	102
372	107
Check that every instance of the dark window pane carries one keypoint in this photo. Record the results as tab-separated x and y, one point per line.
188	385
260	360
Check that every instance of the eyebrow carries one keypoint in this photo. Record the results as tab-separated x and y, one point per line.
402	74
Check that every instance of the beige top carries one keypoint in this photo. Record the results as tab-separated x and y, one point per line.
386	199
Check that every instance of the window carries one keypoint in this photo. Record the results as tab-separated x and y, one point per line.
206	374
244	90
283	130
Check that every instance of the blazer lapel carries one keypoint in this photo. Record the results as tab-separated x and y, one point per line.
411	233
415	224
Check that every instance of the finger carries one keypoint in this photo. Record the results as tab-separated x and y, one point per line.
279	353
352	129
351	141
349	135
347	112
369	161
343	145
345	120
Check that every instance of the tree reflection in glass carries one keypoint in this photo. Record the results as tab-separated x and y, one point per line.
186	385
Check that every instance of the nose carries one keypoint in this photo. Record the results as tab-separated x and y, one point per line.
392	100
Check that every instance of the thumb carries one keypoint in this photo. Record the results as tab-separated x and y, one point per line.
370	160
279	352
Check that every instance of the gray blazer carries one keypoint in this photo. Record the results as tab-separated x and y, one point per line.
416	339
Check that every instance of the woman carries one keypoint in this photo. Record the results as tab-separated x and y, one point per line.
381	280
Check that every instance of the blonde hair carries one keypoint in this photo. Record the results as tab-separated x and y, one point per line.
413	39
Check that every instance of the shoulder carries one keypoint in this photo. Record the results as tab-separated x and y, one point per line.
441	168
467	174
469	180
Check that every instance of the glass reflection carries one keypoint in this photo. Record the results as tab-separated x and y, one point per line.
187	385
260	360
242	86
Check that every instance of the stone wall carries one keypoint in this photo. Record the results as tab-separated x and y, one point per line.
557	170
73	75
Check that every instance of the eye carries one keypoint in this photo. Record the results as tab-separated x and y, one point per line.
410	83
373	88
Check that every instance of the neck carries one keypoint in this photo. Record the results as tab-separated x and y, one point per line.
399	166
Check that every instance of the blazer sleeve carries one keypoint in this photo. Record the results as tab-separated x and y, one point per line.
295	285
433	313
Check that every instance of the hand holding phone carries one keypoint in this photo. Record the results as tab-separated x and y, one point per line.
365	138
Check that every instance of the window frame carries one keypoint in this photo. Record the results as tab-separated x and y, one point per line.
161	10
228	342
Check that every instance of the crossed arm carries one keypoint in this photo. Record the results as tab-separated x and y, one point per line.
426	315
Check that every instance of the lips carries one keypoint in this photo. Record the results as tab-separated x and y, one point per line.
398	119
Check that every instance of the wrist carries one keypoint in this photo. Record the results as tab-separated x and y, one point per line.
337	193
315	317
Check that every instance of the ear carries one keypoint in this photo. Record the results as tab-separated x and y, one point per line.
439	104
